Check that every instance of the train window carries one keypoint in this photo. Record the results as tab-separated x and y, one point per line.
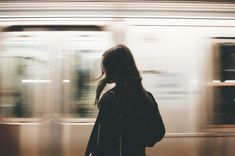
227	61
24	76
224	82
224	105
43	71
80	66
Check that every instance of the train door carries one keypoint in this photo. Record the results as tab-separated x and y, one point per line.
79	64
47	90
25	91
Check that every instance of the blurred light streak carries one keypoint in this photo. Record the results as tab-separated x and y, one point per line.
36	81
66	81
228	81
216	81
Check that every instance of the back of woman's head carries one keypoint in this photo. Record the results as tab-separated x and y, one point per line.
119	64
119	67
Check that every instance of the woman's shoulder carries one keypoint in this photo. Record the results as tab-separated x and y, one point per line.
109	94
152	99
107	98
149	94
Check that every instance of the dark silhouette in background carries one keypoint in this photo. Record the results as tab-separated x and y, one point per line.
128	119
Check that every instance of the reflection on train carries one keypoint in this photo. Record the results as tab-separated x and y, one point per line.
49	63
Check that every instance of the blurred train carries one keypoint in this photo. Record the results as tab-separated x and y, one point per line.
50	55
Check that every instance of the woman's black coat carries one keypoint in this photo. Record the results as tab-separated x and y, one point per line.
118	115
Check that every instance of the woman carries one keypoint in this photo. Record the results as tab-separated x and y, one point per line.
122	127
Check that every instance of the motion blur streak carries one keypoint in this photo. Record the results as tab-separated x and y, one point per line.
50	54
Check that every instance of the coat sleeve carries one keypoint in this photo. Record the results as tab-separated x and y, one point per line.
161	127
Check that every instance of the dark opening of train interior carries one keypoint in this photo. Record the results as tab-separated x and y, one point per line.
51	54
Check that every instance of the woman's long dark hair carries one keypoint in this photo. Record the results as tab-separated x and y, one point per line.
118	66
